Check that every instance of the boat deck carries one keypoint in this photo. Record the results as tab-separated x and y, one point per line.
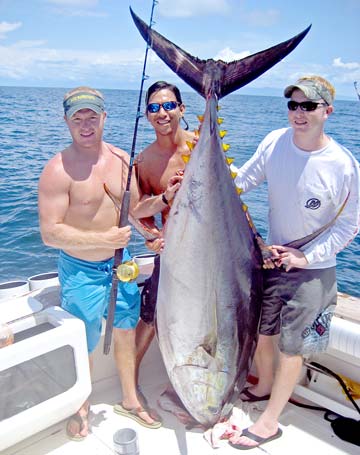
304	431
348	307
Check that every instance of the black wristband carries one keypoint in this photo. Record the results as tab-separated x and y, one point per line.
163	198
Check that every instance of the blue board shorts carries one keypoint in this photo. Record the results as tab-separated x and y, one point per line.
299	305
85	293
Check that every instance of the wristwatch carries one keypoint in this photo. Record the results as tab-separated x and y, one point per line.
163	198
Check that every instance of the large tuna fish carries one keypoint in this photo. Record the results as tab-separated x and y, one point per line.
210	287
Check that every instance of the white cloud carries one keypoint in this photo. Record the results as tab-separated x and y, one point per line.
337	63
27	44
227	55
286	72
188	8
29	60
345	73
6	27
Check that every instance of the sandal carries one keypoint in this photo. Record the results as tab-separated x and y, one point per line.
135	415
80	421
251	398
253	437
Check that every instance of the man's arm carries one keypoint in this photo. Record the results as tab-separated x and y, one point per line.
346	226
53	204
144	205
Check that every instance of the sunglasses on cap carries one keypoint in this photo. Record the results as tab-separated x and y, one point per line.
306	106
167	106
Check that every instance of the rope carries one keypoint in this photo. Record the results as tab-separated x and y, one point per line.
319	367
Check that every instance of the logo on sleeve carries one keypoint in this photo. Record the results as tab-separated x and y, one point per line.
313	203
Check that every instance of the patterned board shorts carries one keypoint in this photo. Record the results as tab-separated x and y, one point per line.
299	305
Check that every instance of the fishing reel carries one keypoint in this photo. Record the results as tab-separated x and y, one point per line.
127	271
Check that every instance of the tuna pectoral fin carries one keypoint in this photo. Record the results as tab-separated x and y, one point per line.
307	239
220	77
169	401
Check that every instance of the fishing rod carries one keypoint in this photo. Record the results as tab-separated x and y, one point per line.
128	271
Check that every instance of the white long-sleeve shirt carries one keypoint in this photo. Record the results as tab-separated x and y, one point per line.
305	192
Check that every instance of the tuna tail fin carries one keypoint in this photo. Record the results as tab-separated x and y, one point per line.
308	238
219	77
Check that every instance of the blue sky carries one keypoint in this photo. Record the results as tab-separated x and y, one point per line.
65	43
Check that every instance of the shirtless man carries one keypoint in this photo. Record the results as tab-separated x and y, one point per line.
78	218
155	166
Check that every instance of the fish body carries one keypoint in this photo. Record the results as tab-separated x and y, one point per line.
210	287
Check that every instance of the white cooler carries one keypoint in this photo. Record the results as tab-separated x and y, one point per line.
44	374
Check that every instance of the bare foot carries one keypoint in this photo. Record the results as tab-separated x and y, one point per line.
145	404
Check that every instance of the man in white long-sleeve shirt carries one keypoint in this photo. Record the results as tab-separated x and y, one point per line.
312	180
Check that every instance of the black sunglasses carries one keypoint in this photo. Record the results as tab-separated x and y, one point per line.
167	106
306	106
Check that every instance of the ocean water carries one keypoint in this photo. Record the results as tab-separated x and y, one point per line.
32	130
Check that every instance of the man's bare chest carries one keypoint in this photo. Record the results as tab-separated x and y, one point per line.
159	176
89	192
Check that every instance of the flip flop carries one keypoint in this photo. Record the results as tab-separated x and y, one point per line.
134	414
255	438
251	397
80	421
144	402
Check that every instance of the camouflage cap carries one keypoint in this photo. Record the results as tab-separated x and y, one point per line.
312	89
83	100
